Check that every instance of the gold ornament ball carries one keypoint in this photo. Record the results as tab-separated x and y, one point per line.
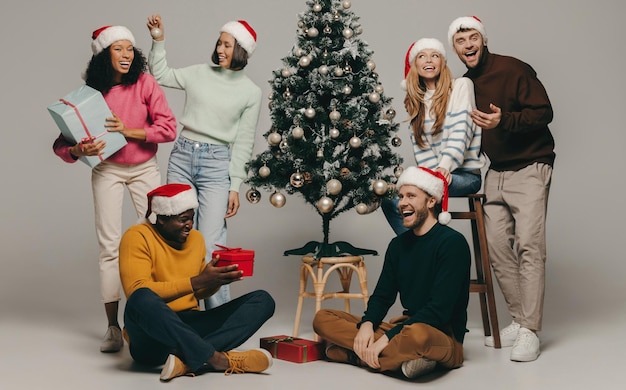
327	30
398	171
380	187
285	72
355	142
371	65
278	199
334	133
317	7
274	138
323	70
390	113
264	171
347	90
156	33
253	196
297	132
312	32
361	208
299	52
309	113
374	97
334	186
347	33
338	71
396	141
304	61
325	204
334	115
284	145
346	4
379	88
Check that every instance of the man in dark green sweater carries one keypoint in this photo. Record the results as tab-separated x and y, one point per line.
514	111
428	267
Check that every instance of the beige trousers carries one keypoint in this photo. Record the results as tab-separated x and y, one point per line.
515	221
108	181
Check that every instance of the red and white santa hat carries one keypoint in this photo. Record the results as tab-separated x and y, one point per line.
171	199
416	47
243	33
106	35
431	182
466	23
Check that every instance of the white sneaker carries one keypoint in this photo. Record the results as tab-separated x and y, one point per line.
508	336
418	367
526	347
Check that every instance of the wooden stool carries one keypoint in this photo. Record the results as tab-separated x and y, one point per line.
483	284
345	266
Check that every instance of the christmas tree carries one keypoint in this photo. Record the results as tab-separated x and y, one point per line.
332	125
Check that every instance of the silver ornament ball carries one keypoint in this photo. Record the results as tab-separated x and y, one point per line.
371	65
323	70
396	141
296	179
285	72
338	71
355	142
398	171
346	4
304	61
374	97
379	88
317	7
347	33
309	113
333	133
334	115
156	33
284	145
312	32
347	90
390	113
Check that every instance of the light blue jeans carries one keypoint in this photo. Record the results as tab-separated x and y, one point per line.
463	183
205	167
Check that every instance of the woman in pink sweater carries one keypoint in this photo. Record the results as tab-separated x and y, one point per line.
141	113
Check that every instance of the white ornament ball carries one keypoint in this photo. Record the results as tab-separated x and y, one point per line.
309	113
374	97
334	115
338	72
323	70
264	171
317	7
379	88
355	142
285	72
371	65
312	32
297	132
334	186
278	199
274	138
346	4
333	133
347	90
380	187
347	33
325	204
156	33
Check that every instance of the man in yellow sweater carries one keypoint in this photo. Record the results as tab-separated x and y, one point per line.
163	274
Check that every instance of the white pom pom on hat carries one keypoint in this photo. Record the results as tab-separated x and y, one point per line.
106	35
416	47
466	23
243	33
431	182
171	199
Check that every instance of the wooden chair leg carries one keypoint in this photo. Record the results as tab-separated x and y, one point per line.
303	281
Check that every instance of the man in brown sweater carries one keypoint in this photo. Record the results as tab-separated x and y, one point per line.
514	111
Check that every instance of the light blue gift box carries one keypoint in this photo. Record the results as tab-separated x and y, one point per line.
81	116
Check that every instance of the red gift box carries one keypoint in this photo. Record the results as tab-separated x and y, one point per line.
293	349
229	256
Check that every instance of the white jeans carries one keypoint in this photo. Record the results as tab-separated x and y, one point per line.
108	181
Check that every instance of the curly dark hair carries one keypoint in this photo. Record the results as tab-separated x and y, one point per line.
101	76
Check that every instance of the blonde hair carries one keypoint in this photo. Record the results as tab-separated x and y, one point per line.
416	106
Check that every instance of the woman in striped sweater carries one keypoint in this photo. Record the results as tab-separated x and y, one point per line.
444	137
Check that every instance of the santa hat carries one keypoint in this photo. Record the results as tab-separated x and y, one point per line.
171	199
416	47
105	36
466	23
243	33
431	182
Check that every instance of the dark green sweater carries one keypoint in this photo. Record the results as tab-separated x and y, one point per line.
431	273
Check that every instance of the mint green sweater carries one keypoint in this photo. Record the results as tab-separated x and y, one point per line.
221	107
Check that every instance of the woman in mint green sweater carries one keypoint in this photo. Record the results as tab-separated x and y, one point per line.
219	121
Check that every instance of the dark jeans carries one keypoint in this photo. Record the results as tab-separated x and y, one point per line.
194	336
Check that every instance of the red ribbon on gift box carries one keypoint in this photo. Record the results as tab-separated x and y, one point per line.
89	138
227	248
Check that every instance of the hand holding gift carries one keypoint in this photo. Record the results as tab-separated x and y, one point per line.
213	277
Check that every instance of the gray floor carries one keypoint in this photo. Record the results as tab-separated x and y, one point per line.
50	348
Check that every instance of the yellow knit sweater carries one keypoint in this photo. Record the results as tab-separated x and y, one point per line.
146	260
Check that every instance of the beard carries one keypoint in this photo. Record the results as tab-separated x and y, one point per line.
420	217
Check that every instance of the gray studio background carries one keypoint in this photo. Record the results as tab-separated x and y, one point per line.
48	249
